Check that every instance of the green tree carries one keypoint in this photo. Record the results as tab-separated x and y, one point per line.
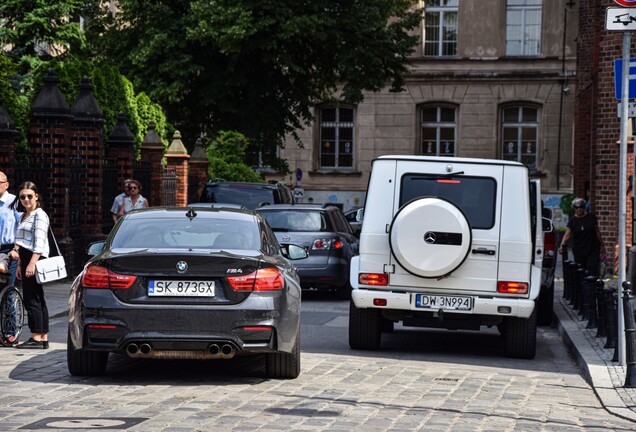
226	154
33	31
256	66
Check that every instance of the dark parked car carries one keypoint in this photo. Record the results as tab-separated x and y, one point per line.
354	217
250	195
325	232
187	283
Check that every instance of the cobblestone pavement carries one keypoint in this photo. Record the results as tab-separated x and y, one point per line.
419	381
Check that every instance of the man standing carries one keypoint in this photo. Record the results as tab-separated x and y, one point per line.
9	218
119	200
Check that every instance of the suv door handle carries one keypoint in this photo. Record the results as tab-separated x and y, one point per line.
483	251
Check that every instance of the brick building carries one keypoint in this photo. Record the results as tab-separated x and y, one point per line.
597	126
490	78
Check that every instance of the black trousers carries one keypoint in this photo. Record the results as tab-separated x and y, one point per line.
34	302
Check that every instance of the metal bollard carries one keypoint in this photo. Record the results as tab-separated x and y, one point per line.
611	318
567	280
592	312
630	335
602	312
578	293
587	289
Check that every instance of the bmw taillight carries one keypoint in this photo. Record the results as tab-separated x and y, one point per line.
511	287
100	277
326	244
265	279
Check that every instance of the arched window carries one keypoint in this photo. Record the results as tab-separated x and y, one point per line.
438	130
520	134
336	137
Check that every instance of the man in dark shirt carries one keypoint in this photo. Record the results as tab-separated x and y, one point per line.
586	239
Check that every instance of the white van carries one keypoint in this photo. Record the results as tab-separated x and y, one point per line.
451	243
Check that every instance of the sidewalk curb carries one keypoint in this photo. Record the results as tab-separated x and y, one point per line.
592	366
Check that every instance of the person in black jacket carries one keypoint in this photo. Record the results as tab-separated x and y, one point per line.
586	238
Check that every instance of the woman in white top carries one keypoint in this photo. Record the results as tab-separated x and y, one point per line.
134	200
31	243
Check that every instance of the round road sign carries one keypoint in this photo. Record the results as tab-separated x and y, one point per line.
626	3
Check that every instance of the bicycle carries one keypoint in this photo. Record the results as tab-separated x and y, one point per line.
11	314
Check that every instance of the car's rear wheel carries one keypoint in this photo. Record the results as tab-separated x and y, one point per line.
520	336
545	306
282	365
84	363
364	328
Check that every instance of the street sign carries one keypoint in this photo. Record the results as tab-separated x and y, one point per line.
626	3
618	80
631	109
620	19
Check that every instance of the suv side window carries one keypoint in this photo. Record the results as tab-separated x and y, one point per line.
475	196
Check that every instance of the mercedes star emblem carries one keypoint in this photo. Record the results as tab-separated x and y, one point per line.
429	237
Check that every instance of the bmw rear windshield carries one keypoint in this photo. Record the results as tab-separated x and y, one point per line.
475	196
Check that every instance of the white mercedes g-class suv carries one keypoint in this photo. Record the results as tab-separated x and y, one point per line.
451	243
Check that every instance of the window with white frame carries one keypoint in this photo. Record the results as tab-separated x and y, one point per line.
438	129
336	137
520	134
440	27
523	27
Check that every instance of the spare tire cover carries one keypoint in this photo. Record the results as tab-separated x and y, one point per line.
430	237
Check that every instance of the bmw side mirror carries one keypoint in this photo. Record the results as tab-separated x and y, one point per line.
95	248
295	252
546	225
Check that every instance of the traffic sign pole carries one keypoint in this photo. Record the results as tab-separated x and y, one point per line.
622	198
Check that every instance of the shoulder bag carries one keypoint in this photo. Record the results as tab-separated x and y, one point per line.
52	268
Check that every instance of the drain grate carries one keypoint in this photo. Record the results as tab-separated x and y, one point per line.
83	423
446	379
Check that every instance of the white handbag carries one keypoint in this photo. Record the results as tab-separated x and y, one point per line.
50	269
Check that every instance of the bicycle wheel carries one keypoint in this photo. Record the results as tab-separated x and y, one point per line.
11	315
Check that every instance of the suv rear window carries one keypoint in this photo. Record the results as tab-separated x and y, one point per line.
475	196
294	220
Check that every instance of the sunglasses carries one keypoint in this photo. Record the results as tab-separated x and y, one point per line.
578	207
132	187
24	197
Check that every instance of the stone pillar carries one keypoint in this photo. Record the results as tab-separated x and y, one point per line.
7	145
152	153
177	160
49	150
121	147
198	171
87	150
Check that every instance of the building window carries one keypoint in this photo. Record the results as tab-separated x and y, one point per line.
438	129
520	135
336	137
440	28
523	27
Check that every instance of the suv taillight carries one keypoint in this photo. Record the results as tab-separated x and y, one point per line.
100	277
265	279
325	244
378	279
511	287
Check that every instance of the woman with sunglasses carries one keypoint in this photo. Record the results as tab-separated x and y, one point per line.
31	243
134	200
586	238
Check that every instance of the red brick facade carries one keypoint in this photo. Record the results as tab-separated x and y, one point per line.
597	126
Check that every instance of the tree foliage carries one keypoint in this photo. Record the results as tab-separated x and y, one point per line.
226	154
256	66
